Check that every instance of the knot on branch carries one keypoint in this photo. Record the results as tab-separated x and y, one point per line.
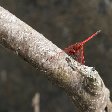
93	83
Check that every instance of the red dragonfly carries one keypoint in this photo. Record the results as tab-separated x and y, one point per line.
77	50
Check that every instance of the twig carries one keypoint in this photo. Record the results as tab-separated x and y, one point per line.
36	102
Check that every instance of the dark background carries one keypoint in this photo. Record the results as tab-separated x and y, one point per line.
64	22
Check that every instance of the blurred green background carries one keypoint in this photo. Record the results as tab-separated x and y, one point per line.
64	22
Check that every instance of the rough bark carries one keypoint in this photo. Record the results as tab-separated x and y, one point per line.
83	84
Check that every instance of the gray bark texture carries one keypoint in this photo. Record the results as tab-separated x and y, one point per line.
81	83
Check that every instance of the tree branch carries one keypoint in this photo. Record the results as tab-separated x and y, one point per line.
83	84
